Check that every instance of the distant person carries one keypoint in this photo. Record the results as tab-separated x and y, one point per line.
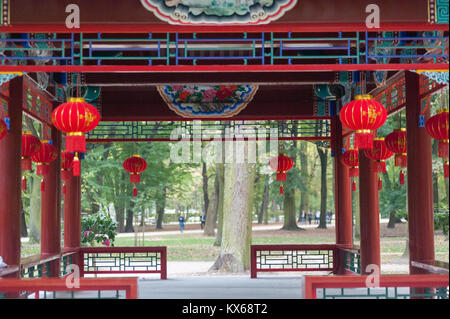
329	216
303	217
317	217
181	221
309	214
203	220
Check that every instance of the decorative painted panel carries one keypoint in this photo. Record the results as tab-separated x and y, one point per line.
394	96
219	11
36	104
197	101
438	11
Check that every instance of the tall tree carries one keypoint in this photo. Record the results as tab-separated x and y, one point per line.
265	201
323	155
211	216
235	219
205	187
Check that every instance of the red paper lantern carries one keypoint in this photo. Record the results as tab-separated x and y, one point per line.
281	164
75	118
397	143
135	165
363	115
30	146
3	129
379	153
351	159
437	128
46	154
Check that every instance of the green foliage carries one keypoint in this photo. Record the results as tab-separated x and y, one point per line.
441	216
97	228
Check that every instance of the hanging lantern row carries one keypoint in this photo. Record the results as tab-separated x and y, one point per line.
281	164
438	128
46	154
3	129
75	118
30	146
379	153
66	167
351	159
135	165
396	142
363	115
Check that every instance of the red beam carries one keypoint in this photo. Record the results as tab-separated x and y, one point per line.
163	28
225	68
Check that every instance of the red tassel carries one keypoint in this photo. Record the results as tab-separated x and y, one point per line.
64	189
402	177
76	166
24	183
65	174
354	171
363	140
281	189
380	184
42	186
354	186
446	170
76	143
281	176
135	178
443	149
26	164
379	167
134	192
401	160
42	169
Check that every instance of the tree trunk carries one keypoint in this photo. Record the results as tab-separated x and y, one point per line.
130	215
211	215
392	220
205	187
251	194
304	168
160	207
220	171
323	154
23	222
290	220
120	216
235	219
265	201
435	151
35	210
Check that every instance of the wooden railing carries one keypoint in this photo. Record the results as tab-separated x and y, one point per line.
124	260
389	287
350	260
291	257
32	288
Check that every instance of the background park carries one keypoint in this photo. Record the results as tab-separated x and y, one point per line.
109	211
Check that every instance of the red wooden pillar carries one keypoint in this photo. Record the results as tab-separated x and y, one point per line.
419	174
72	217
342	196
10	178
50	209
369	214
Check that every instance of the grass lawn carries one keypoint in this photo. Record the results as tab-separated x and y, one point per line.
196	247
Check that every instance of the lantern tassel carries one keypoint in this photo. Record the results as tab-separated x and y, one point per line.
354	171
354	186
380	184
42	185
26	164
76	142
134	191
401	159
76	165
446	172
24	183
64	189
402	177
363	139
135	178
65	174
443	149
281	188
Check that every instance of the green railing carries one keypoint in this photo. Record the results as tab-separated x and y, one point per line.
352	260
